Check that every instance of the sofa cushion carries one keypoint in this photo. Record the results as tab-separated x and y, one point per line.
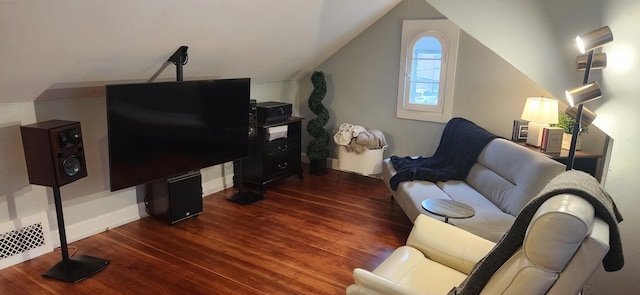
505	178
510	175
410	195
489	222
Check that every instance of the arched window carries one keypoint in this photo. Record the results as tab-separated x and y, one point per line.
429	51
425	72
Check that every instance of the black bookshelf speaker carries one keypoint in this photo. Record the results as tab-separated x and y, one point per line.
54	152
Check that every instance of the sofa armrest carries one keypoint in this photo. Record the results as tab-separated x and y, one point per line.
369	283
447	244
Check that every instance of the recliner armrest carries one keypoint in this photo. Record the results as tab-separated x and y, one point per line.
372	284
447	244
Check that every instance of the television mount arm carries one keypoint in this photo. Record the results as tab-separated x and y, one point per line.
179	59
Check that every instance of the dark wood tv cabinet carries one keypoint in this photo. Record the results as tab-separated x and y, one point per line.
271	160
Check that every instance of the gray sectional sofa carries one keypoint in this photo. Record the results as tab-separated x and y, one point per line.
504	178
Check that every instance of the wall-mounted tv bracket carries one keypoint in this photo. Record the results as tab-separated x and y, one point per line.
179	59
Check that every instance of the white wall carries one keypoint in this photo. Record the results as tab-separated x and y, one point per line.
17	197
506	28
526	33
362	84
88	204
362	80
276	40
617	112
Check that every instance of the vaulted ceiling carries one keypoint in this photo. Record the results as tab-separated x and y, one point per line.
46	43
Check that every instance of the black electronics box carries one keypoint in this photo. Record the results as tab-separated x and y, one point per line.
270	112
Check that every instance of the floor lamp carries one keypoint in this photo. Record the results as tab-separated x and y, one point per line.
588	91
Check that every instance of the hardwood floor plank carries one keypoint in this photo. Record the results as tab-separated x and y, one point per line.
305	237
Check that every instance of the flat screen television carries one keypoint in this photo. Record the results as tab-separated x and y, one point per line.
165	129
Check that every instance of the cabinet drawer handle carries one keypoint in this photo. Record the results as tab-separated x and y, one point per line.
283	148
283	165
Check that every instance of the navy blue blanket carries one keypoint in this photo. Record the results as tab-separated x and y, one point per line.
460	144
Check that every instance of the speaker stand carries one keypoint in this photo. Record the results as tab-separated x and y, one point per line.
80	267
243	197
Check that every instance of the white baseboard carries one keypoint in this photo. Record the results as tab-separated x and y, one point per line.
216	185
87	228
100	224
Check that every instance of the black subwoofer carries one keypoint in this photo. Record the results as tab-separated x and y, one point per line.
175	199
54	152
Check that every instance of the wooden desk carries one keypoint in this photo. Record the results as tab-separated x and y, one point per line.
584	161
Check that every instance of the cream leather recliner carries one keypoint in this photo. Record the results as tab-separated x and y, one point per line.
564	243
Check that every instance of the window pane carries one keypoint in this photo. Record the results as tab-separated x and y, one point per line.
425	71
427	47
424	93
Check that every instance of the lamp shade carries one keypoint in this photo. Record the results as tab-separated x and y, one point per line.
583	94
540	110
594	39
587	115
598	62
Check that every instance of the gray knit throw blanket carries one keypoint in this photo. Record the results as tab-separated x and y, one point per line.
571	182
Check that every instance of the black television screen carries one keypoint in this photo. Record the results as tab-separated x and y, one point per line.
160	130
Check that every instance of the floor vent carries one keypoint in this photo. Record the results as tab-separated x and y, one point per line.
23	239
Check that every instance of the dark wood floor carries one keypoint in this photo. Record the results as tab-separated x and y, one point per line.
304	238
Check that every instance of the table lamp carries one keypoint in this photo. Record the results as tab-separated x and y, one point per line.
540	112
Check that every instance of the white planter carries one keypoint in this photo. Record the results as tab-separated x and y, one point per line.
566	141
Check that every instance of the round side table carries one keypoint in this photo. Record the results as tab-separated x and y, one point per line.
448	209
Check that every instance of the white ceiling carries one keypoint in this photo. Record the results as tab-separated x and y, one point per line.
46	43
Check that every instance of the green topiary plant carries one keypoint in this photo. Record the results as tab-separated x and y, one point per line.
318	149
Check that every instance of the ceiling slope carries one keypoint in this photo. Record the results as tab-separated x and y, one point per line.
536	37
68	41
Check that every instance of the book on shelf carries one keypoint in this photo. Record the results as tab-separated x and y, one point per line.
551	140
